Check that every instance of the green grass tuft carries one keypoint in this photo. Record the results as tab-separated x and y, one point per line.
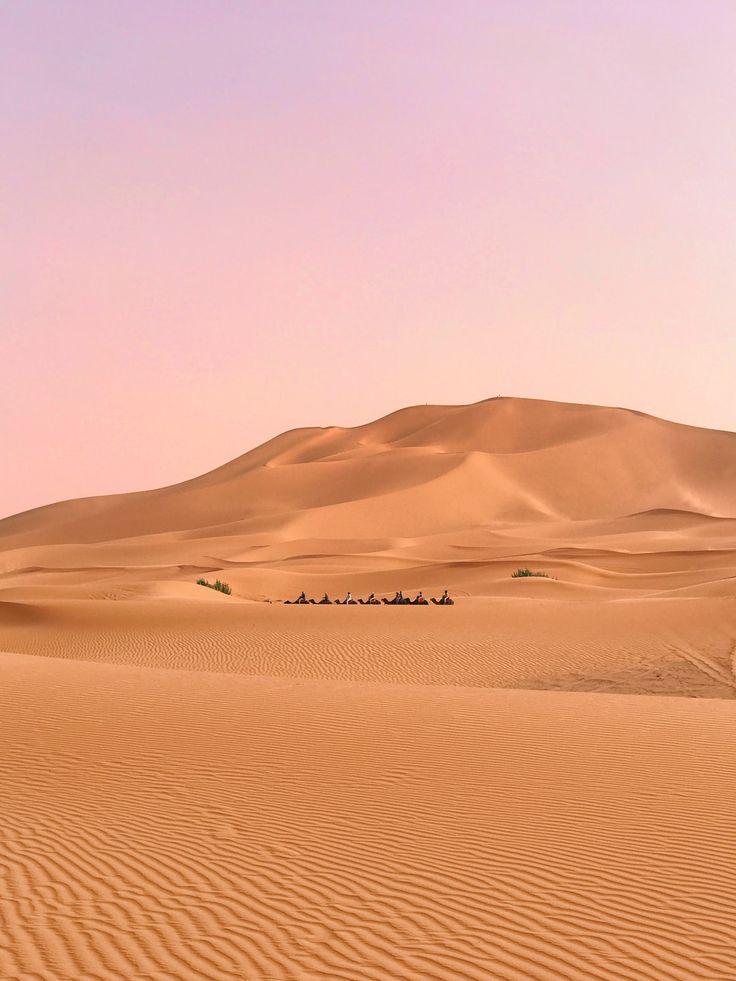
524	573
221	587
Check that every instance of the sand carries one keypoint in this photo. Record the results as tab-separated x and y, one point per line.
533	784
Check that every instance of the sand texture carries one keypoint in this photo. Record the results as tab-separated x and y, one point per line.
536	783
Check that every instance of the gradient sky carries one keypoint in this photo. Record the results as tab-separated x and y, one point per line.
222	220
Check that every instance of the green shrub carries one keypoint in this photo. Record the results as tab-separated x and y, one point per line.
523	573
221	587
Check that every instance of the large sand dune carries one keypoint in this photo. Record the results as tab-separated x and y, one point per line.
533	784
427	497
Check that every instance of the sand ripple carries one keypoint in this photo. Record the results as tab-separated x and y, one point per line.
157	825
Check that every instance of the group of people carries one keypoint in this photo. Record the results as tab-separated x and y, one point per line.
398	600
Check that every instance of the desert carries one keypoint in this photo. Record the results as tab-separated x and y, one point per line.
535	783
367	490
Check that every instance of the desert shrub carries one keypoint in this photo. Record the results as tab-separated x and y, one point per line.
523	573
221	587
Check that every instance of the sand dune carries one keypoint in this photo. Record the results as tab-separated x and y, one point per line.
532	785
165	825
506	476
426	498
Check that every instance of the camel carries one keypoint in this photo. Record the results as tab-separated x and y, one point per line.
301	600
398	600
371	601
325	601
348	601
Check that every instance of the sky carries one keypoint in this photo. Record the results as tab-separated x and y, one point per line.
223	220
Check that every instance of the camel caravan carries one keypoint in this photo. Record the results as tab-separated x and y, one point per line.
398	600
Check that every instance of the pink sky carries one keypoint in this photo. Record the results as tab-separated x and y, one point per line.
223	220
